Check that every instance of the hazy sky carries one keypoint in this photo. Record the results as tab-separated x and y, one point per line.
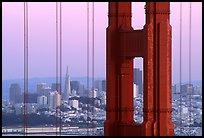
42	42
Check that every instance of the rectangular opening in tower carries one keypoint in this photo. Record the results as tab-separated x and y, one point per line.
138	89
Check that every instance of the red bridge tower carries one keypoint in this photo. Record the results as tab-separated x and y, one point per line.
153	44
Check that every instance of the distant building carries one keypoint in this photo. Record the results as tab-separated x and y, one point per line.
189	88
75	85
74	103
103	85
15	93
138	79
93	93
32	97
67	89
136	90
185	88
197	90
103	98
81	90
40	88
54	99
176	88
100	85
42	100
31	108
74	93
47	91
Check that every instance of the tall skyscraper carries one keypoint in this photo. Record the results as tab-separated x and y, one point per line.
138	79
67	89
15	93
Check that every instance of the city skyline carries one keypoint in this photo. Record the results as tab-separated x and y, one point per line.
132	81
43	22
44	107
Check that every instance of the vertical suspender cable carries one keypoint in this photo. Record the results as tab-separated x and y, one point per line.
87	65
60	67
190	85
180	64
24	113
25	65
56	121
93	67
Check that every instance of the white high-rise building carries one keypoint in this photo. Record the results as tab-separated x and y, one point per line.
67	89
135	90
54	99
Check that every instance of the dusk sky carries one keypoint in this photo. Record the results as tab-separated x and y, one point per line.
42	38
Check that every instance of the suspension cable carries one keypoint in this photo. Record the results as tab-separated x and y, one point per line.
25	66
180	64
60	67
87	66
190	85
92	66
56	121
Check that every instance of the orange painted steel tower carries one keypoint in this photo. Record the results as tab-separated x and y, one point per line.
153	44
